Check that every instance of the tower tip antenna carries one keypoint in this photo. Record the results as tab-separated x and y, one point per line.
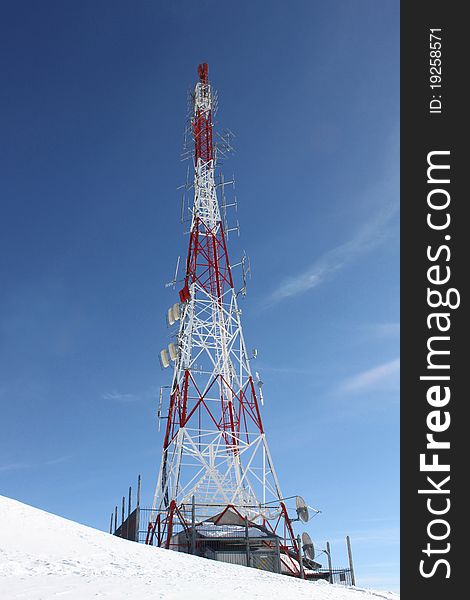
203	72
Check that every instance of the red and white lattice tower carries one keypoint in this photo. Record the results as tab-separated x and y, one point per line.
215	452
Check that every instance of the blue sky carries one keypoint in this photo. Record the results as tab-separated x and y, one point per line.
92	111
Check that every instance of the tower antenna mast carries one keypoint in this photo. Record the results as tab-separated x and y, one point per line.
215	455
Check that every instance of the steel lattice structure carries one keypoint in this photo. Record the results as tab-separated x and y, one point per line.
215	451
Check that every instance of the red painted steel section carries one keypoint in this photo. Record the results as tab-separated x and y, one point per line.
203	72
208	265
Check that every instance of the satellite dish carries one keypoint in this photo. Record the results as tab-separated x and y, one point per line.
302	509
307	546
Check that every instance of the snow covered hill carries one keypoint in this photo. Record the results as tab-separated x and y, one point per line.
45	557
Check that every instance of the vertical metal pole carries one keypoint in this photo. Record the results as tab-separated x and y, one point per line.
301	562
248	558
278	555
123	515
330	568
137	517
193	525
111	523
353	578
115	519
129	502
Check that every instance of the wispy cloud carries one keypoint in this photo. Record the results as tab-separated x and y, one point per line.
385	330
384	374
391	535
58	460
324	268
380	203
17	466
119	397
13	467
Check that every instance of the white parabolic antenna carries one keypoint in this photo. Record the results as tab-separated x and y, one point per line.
307	546
176	311
173	351
302	509
165	358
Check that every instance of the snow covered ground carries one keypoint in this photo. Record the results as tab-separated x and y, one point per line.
45	557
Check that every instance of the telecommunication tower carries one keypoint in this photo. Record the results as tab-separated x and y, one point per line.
216	466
